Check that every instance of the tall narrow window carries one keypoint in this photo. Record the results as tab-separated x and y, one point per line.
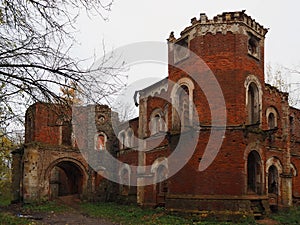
157	123
183	105
253	46
66	133
122	140
129	138
183	94
271	121
29	128
182	115
291	125
100	142
253	104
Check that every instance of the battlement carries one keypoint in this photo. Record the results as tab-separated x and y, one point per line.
225	22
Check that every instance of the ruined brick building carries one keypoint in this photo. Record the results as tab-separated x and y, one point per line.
254	168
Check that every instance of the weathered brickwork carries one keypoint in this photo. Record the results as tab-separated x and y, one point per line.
52	165
256	165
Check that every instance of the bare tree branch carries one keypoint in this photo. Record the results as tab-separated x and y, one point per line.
35	62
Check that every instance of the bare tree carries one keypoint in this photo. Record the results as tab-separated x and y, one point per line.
125	110
276	76
283	78
35	62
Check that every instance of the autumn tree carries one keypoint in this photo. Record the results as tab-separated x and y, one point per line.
35	62
6	145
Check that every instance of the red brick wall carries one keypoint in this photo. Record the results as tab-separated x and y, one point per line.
46	123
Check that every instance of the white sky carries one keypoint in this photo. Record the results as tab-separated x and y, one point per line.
133	21
138	20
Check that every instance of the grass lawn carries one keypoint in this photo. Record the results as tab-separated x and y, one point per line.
51	206
135	215
129	214
7	218
291	216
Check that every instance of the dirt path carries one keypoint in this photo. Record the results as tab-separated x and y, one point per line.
70	218
73	216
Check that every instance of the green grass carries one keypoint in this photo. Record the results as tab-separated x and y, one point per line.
291	216
49	206
130	214
135	215
5	200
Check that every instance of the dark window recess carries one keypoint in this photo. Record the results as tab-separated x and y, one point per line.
273	180
272	125
253	104
291	125
66	133
271	121
253	46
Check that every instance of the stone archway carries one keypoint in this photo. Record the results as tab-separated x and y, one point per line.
66	177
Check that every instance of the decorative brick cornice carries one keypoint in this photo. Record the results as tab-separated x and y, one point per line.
225	22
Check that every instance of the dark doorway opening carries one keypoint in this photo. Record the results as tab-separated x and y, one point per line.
254	172
66	179
273	188
161	186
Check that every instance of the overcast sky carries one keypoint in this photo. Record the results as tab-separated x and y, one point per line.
137	20
133	21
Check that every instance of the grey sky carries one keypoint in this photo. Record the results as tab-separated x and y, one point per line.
137	20
133	21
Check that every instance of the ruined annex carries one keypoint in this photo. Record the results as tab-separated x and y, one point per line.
254	168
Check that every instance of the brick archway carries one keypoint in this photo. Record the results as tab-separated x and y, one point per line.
65	176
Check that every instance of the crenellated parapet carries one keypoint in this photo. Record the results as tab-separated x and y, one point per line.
235	22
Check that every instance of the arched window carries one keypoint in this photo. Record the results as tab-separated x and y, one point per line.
121	138
271	121
254	173
183	94
100	141
182	102
253	104
157	122
129	138
253	46
272	116
124	176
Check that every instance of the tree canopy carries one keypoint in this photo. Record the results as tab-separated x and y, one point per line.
35	61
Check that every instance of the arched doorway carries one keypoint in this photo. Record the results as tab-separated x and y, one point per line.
66	178
162	185
273	183
254	173
273	180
